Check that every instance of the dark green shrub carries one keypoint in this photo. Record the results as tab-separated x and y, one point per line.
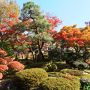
53	83
51	66
31	78
35	64
72	72
80	65
54	53
62	65
70	57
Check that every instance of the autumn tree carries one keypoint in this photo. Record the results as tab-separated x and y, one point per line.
86	37
70	36
7	7
9	12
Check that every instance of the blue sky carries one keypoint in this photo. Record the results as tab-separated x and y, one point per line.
69	11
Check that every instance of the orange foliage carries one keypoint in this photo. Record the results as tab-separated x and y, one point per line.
71	35
1	75
86	35
7	63
7	23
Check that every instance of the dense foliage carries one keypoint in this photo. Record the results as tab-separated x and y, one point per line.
31	32
8	64
53	83
30	78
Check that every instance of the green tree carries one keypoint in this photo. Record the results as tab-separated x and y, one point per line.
36	25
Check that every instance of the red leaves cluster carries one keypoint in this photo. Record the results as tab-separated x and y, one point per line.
2	52
3	68
22	40
16	66
1	75
3	61
54	21
6	25
12	15
8	63
71	35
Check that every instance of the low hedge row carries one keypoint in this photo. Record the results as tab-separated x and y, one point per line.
37	79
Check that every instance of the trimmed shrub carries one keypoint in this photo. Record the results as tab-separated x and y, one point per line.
3	68
30	78
72	72
7	65
16	66
53	83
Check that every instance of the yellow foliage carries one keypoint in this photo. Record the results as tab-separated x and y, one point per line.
8	7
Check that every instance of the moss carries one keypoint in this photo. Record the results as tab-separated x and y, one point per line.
53	83
31	77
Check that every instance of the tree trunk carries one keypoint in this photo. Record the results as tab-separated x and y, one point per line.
40	55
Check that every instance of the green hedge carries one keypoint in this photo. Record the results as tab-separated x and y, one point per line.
53	83
30	78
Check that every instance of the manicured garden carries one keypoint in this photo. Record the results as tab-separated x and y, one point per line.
34	56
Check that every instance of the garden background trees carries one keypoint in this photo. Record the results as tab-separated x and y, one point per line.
74	42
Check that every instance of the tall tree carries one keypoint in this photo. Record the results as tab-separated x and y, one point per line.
37	25
70	36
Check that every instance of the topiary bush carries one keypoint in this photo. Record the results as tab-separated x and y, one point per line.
8	66
30	78
53	83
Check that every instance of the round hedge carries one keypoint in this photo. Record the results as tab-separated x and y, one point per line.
30	78
53	83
